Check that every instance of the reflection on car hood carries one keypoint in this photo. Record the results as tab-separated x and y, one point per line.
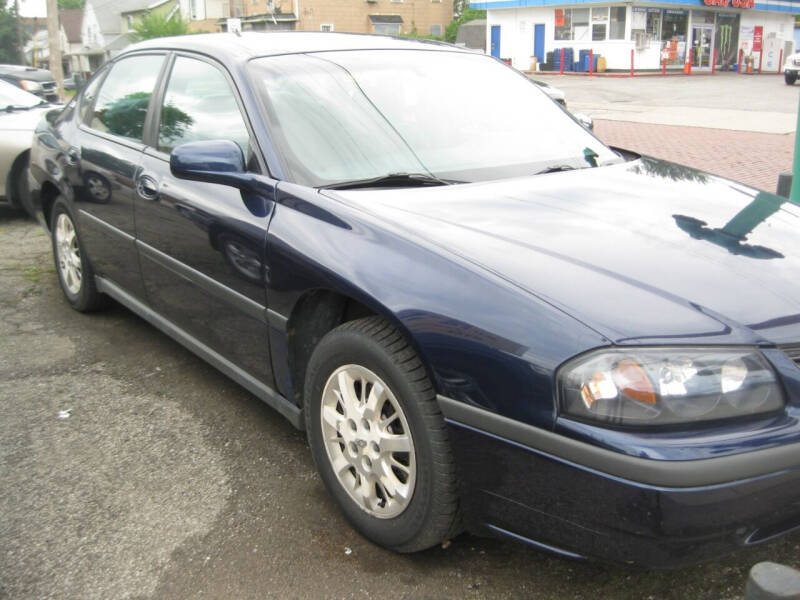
22	120
643	252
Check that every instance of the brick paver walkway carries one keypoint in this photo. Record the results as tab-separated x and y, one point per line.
752	158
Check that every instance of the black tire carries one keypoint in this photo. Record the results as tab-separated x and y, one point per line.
18	180
790	77
86	298
432	514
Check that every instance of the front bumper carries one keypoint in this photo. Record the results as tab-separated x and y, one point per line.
552	502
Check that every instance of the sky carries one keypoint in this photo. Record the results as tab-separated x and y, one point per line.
32	8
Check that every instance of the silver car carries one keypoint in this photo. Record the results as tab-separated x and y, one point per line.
20	112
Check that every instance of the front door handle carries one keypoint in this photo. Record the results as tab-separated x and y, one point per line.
147	187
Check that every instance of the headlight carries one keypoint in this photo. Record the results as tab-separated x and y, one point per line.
662	386
31	86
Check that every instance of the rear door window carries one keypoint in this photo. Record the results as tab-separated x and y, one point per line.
123	99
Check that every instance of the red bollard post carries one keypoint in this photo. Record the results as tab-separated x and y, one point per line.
631	62
741	62
714	62
663	66
591	62
562	61
760	59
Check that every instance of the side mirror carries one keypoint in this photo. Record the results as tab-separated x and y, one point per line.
52	115
585	120
215	161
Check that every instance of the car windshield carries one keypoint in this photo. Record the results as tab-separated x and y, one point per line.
13	97
348	116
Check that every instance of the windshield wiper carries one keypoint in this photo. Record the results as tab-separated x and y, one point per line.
13	107
555	169
392	180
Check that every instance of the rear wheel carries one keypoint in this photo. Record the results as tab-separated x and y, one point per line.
378	438
790	77
75	273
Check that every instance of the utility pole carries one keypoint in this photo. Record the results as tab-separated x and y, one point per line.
20	41
54	39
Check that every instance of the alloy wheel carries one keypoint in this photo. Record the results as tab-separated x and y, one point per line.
368	441
68	254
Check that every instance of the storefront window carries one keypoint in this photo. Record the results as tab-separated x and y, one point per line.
702	16
563	24
726	40
599	23
596	24
673	36
617	30
654	23
580	24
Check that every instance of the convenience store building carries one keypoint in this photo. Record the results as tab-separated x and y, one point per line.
649	31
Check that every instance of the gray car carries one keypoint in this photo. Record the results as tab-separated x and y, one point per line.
36	81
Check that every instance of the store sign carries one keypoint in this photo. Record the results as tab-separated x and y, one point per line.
731	3
758	35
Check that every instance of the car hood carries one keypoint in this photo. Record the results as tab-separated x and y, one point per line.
29	73
22	120
642	252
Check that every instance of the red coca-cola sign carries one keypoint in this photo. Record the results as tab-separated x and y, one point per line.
731	3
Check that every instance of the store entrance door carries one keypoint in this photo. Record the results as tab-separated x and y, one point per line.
702	46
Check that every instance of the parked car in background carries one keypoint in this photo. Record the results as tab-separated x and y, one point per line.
480	315
791	68
36	81
20	112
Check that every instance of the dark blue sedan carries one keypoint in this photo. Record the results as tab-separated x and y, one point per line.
482	316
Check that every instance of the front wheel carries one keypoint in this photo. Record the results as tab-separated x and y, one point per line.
75	273
378	437
790	77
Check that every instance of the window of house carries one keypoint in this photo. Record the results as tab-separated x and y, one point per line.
199	104
326	27
387	28
616	29
121	105
436	30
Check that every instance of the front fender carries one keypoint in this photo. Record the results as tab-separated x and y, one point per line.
486	342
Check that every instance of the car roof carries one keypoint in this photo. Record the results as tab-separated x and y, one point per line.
250	44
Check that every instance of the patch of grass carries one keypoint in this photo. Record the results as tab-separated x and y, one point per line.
34	273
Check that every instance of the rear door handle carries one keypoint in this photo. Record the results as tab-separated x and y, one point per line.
147	187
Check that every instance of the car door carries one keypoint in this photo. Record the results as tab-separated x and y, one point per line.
202	245
103	159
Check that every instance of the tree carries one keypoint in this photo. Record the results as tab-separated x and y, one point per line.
70	4
154	25
9	43
467	14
